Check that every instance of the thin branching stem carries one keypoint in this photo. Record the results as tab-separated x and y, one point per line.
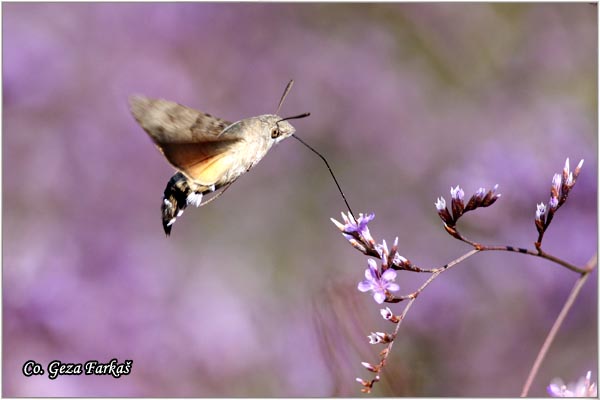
537	253
558	323
413	296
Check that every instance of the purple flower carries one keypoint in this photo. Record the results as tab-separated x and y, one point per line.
378	283
583	388
352	226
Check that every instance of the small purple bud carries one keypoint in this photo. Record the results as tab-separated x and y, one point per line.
566	169
376	337
382	249
388	315
491	197
541	211
569	180
457	193
556	183
440	204
370	367
362	381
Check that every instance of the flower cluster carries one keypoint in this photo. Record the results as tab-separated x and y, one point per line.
357	232
559	191
481	198
583	388
378	280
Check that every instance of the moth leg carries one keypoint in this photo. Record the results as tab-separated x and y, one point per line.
218	193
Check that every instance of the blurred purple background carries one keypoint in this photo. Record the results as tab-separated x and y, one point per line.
255	294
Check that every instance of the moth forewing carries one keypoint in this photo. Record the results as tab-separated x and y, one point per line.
169	122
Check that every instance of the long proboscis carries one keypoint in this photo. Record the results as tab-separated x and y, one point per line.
330	171
303	115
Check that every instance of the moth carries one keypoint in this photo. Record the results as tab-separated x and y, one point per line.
209	153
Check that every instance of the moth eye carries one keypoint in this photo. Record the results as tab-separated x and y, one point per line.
275	133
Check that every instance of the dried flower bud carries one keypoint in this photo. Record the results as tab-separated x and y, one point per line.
443	211
553	203
400	261
458	206
475	200
376	337
363	382
540	218
382	249
371	367
577	170
556	186
379	337
566	170
491	197
388	315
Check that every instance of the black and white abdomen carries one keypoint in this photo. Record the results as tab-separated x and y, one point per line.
179	194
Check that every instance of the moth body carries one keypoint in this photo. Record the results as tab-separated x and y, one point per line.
209	153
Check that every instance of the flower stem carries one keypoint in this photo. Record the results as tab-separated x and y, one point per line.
413	296
558	323
538	252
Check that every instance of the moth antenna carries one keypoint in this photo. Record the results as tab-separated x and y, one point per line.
330	171
285	93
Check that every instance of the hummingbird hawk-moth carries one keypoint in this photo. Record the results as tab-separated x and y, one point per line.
209	153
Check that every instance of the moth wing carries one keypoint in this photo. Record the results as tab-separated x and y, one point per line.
168	122
204	163
192	141
210	171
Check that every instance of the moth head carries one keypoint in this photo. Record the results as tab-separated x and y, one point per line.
280	127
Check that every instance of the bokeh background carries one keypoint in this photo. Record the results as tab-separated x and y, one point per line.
255	294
